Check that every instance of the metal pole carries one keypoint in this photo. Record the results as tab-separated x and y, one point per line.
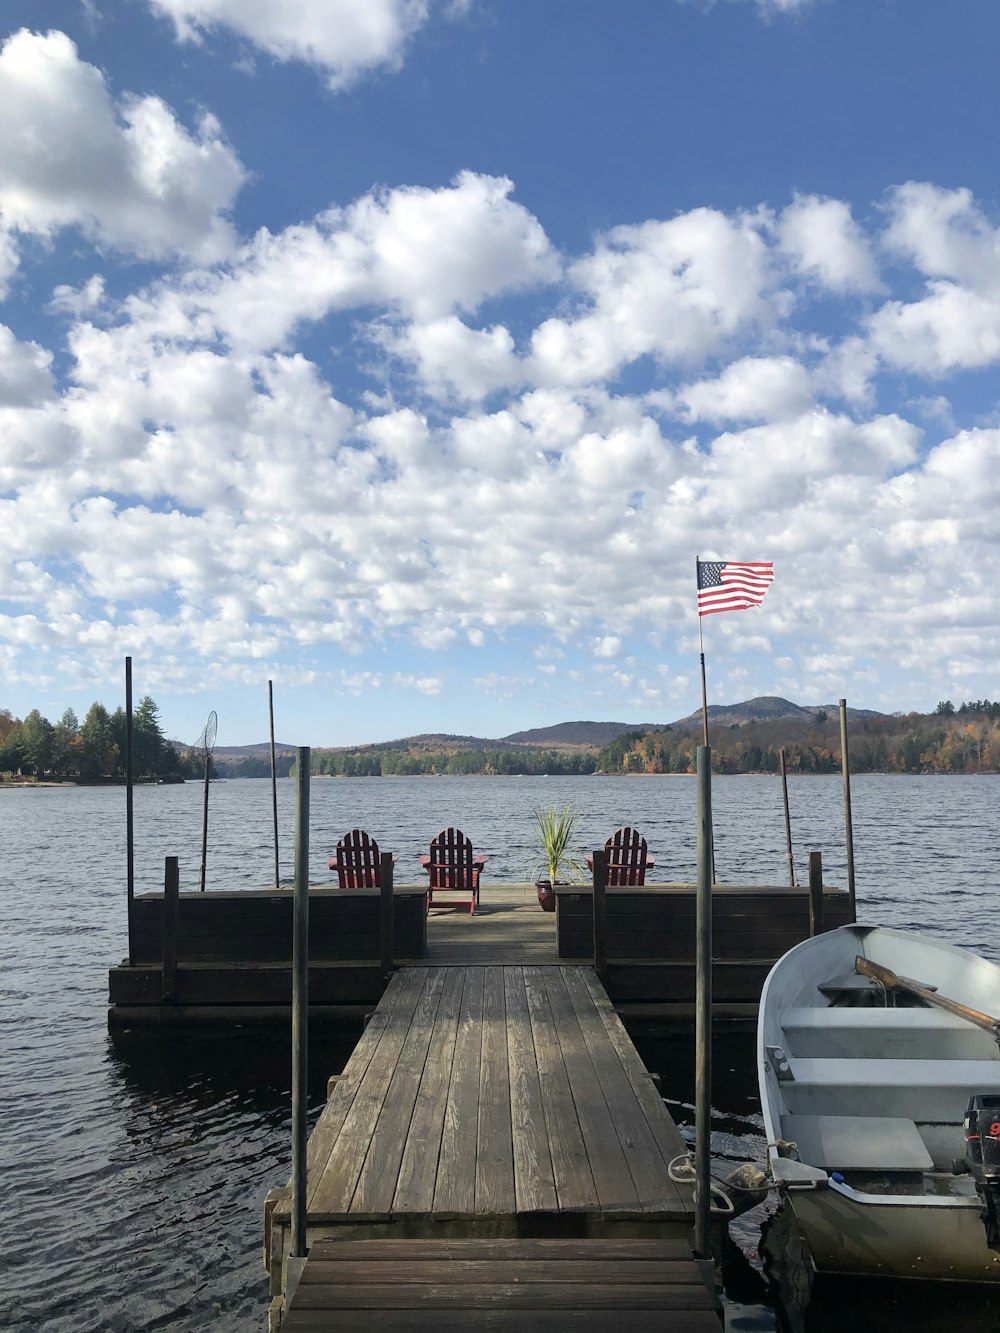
788	821
816	922
300	1002
204	821
703	1011
129	809
848	826
274	786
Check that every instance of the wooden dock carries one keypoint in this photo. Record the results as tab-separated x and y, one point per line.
511	1286
226	956
483	1104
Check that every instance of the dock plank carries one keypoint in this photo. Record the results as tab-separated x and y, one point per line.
572	1174
547	1285
455	1187
615	1187
332	1192
376	1187
494	1146
534	1182
418	1169
633	1102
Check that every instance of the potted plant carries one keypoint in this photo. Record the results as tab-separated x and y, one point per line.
553	830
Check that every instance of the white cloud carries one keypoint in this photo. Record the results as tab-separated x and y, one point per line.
753	388
344	38
25	374
956	325
677	290
452	360
128	175
429	685
608	646
201	487
419	252
824	243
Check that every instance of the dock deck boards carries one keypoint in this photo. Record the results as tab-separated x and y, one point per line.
496	1093
548	1286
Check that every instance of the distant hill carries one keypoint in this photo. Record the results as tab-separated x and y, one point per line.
578	733
245	751
765	708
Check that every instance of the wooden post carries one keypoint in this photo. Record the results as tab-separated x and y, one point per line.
816	925
788	821
703	1012
129	810
300	1002
171	886
385	911
848	826
274	786
601	913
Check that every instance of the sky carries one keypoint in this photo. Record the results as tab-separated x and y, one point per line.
407	353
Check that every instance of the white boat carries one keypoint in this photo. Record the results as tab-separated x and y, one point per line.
864	1091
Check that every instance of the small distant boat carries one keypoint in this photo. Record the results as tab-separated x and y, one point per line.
879	1075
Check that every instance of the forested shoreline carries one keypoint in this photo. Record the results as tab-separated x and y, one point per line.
92	750
963	739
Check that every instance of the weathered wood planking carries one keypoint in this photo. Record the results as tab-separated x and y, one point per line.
255	926
545	1285
658	922
503	1095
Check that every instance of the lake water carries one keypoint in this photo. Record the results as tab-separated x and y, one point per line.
134	1168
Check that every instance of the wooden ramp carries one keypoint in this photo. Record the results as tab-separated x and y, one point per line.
487	1102
546	1286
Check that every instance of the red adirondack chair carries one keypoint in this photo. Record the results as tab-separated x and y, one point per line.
453	869
356	861
627	861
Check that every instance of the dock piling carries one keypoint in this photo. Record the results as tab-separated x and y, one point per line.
601	913
385	911
848	824
816	922
300	1003
703	1011
171	894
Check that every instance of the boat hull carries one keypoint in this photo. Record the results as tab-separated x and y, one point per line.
911	1240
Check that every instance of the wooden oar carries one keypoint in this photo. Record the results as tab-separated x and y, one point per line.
887	978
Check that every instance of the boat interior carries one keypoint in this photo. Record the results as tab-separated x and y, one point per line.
875	1084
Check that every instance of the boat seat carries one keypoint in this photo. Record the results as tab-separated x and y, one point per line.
883	1033
849	982
935	1090
857	1142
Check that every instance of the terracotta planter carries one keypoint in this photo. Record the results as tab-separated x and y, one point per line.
546	895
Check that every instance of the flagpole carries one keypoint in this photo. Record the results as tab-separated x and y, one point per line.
701	646
704	705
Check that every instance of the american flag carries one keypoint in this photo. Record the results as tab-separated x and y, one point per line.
728	585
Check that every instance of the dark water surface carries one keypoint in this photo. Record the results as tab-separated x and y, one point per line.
134	1169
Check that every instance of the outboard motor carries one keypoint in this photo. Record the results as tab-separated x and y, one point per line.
982	1153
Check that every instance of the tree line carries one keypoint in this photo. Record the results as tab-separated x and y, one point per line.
965	739
91	750
371	763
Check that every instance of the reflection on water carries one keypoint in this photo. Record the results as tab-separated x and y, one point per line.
135	1169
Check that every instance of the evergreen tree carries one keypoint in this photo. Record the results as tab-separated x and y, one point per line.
98	756
38	741
148	743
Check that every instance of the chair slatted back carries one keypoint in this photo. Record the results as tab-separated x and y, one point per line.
451	861
626	857
358	861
